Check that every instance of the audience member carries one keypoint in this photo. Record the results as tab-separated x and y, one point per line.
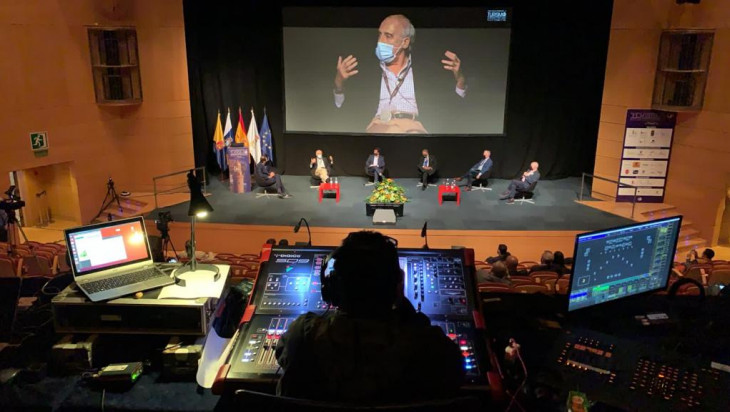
511	262
559	263
3	226
498	274
502	254
707	256
373	347
547	264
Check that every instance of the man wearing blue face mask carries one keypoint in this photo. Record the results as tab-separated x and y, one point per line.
398	109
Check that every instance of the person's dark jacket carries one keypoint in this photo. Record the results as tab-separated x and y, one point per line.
432	162
337	357
498	258
560	270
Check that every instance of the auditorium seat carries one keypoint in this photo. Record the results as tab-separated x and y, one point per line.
37	265
550	284
541	276
562	285
7	268
522	280
488	287
257	401
719	276
699	273
531	289
529	264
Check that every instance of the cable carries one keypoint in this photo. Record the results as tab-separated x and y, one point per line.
103	395
514	350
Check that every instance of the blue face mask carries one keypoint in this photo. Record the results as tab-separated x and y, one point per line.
385	52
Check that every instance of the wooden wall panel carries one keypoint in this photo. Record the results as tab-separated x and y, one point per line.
699	169
45	75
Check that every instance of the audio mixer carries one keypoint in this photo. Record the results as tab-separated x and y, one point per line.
628	375
437	282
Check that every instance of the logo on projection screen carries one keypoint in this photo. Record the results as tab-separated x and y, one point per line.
496	15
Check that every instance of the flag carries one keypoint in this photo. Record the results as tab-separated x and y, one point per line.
219	145
241	130
266	147
254	142
228	130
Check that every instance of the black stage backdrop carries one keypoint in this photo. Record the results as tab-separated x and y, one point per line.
557	64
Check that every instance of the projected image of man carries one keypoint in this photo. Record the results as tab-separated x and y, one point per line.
398	108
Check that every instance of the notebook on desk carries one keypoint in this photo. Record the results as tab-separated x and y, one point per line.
113	259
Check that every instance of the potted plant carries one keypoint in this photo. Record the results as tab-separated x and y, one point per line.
386	195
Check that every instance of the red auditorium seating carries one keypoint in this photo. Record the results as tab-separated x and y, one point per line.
495	288
8	268
541	276
531	289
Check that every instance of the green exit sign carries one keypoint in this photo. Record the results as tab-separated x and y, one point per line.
39	141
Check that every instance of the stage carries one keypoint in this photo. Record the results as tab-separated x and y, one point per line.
555	208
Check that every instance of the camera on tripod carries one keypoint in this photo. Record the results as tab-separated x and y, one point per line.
162	223
13	201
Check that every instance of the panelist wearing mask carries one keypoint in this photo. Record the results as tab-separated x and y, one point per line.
320	166
406	95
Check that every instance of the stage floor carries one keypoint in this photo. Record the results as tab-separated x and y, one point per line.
555	208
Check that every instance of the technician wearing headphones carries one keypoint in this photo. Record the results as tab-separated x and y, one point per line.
374	347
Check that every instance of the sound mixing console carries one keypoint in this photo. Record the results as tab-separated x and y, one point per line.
625	374
439	283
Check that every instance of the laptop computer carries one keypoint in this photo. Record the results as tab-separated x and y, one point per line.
113	259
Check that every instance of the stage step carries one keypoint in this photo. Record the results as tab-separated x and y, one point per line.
663	212
129	208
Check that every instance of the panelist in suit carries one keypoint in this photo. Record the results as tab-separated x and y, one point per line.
478	170
267	176
530	176
375	165
400	109
321	167
426	167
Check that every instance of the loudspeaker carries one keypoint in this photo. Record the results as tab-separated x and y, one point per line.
384	217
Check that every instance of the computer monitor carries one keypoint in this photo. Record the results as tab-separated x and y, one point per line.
616	263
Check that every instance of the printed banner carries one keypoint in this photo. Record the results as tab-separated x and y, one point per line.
238	167
645	156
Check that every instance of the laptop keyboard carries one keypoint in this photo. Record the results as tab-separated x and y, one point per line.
123	280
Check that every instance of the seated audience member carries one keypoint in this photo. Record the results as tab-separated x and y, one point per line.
547	264
502	254
375	347
478	170
321	167
498	274
530	176
375	165
268	176
511	262
707	256
426	167
559	263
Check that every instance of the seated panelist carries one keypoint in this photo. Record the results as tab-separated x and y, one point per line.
320	166
426	167
477	171
265	176
529	177
375	165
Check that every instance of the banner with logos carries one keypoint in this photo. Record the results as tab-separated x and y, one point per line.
646	153
238	168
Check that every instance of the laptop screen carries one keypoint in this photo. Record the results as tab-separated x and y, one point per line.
107	245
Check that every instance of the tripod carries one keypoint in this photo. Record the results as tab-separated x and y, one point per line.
111	197
13	235
167	243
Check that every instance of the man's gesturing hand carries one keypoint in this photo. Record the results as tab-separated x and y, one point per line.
345	70
453	63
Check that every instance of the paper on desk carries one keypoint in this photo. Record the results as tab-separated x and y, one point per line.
198	284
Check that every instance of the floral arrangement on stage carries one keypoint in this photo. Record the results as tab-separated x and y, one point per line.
388	191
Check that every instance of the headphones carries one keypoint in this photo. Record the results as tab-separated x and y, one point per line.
333	285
